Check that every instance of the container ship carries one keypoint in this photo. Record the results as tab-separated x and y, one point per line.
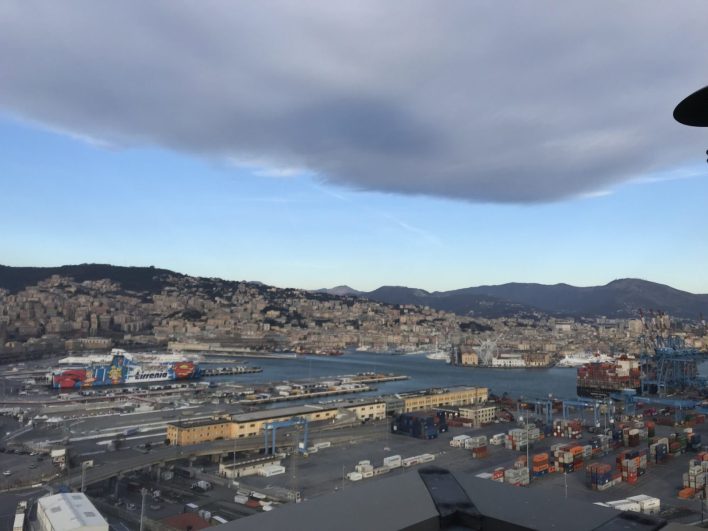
120	368
600	379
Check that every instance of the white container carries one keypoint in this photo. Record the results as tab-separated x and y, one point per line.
393	461
354	476
271	470
409	461
459	440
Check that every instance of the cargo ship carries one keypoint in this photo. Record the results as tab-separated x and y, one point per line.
600	379
120	368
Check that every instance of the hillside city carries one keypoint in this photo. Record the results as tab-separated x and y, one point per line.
195	313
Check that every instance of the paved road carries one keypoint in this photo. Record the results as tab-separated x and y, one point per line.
113	463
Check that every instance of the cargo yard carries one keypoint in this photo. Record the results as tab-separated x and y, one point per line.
211	449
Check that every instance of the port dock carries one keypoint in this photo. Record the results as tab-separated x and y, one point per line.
229	371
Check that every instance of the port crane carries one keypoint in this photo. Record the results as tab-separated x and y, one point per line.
602	409
666	364
671	368
630	399
272	427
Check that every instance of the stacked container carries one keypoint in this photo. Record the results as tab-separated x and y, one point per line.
458	441
569	429
478	446
540	465
647	504
639	504
600	445
632	465
601	476
498	474
695	478
516	440
517	476
659	451
568	458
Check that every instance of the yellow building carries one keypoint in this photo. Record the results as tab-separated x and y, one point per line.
432	398
251	424
479	414
469	358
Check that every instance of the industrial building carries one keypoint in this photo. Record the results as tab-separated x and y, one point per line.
433	398
69	512
478	415
251	424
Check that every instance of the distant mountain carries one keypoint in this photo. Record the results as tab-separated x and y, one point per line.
149	279
619	298
458	302
341	291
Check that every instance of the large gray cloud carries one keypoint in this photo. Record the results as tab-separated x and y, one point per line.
507	102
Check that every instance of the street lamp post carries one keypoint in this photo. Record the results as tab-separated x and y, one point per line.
143	492
528	464
84	465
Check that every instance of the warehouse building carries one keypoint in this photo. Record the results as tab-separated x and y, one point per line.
251	424
69	512
434	398
478	415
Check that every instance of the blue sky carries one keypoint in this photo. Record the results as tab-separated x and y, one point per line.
312	144
66	200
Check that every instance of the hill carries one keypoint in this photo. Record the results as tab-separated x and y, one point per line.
619	298
148	279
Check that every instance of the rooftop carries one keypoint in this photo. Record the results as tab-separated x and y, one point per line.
198	423
69	511
434	499
292	411
438	391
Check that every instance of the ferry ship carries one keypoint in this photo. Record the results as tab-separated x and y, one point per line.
440	355
581	358
120	368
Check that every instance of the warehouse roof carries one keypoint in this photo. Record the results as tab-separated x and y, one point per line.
69	511
405	502
292	411
370	506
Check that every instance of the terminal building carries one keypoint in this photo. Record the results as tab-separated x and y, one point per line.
185	433
69	512
434	398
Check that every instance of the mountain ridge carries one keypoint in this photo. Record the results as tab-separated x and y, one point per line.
622	297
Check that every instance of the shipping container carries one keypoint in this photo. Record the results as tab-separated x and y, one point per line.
423	425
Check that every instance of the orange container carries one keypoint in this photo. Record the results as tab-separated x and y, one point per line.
687	493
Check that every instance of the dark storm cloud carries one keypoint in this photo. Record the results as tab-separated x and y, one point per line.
521	102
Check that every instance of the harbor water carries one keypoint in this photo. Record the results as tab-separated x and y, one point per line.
423	374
